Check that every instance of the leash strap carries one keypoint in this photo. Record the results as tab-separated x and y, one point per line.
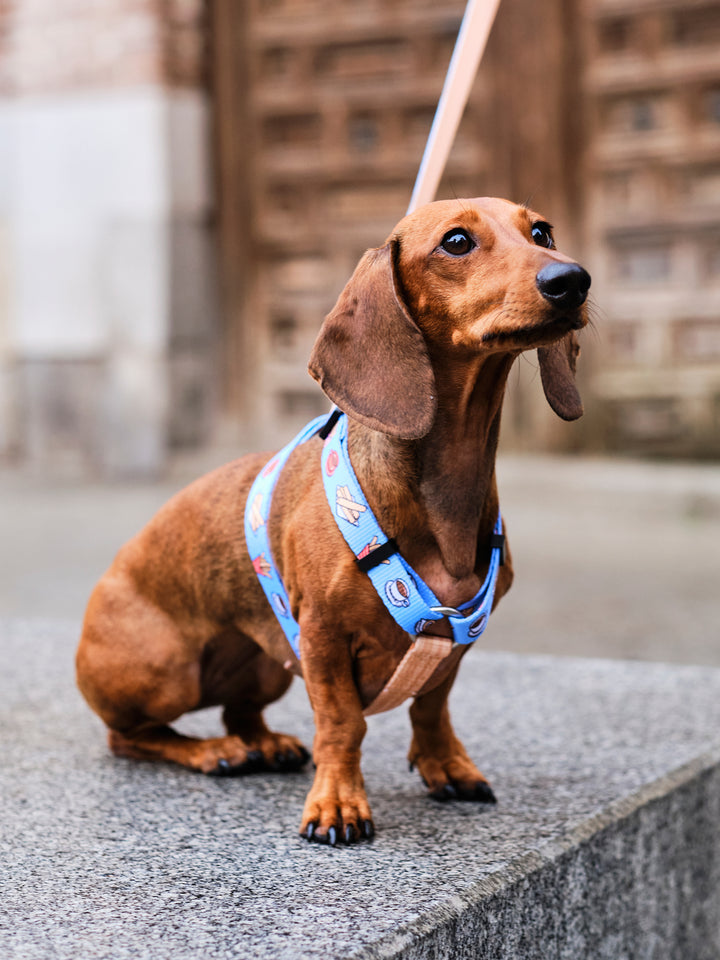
409	600
257	537
469	48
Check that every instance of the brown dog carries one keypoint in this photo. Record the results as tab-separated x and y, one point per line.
416	351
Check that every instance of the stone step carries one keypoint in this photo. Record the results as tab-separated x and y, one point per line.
604	843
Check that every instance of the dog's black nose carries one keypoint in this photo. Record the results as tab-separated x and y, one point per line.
564	284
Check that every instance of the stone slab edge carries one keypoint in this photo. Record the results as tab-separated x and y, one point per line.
400	943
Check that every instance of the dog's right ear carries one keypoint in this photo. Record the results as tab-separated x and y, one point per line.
557	373
370	357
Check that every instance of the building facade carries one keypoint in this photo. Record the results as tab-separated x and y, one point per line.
653	221
153	154
108	330
333	104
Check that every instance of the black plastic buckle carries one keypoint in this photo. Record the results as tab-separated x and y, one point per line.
326	429
497	541
377	555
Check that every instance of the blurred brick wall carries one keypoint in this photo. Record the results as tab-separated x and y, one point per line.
108	333
332	105
54	45
602	114
652	94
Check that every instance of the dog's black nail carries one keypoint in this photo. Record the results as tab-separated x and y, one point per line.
484	793
332	836
368	829
223	768
309	831
293	761
255	756
349	836
446	792
411	766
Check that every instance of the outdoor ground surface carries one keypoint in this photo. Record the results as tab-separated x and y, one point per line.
603	844
606	772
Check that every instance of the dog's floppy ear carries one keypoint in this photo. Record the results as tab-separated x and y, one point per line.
557	372
370	357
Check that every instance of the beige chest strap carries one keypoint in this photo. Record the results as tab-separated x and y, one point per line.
412	673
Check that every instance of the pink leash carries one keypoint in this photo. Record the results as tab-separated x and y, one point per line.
469	47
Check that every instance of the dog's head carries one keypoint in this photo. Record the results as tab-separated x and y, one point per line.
463	277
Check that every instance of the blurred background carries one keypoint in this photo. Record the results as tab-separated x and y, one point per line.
185	187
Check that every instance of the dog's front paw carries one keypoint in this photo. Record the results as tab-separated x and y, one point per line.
452	777
336	809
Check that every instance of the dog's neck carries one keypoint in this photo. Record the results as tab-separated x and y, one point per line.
438	496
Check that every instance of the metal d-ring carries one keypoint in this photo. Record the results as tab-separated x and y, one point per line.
448	612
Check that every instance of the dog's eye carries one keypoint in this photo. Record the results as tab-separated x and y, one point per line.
457	242
542	235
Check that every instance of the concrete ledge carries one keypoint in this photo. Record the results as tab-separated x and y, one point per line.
605	842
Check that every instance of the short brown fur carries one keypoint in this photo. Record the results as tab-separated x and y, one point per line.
417	352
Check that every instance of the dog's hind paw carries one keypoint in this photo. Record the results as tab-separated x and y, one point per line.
278	752
289	760
224	768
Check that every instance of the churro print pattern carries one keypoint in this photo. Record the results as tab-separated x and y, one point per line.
347	508
255	516
368	549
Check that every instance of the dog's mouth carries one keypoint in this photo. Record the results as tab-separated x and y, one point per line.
538	334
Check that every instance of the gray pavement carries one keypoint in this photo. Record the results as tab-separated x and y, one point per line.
603	845
612	558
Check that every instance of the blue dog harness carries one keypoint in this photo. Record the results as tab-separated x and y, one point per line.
257	535
409	600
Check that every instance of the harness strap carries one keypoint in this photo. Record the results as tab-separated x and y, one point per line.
412	673
257	537
406	596
409	600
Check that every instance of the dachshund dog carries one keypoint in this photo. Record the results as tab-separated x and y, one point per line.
416	353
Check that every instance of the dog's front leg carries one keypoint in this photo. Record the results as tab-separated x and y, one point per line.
440	758
336	807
